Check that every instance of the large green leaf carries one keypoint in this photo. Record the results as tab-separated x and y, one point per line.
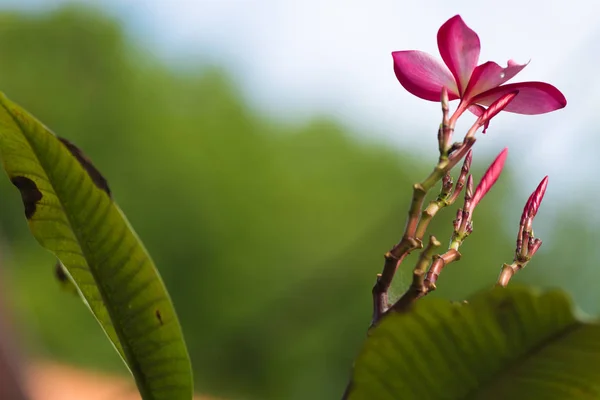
504	344
70	212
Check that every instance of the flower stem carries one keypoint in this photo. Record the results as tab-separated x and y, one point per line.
508	270
439	262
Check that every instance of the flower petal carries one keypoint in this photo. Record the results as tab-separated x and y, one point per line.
422	75
459	47
477	109
490	75
533	98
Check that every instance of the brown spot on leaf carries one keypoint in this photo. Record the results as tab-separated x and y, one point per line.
30	194
86	163
159	317
60	274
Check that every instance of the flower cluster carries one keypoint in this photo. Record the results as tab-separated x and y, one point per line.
483	90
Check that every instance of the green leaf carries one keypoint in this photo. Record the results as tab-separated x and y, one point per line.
504	344
70	212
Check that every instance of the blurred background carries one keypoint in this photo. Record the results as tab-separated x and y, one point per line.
265	154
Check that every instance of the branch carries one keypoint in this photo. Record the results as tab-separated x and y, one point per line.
418	288
439	262
418	221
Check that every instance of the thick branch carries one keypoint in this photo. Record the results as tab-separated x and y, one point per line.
409	242
418	289
418	220
384	280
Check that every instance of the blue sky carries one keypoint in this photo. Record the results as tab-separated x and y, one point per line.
295	59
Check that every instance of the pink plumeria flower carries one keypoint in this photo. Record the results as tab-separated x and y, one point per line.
475	85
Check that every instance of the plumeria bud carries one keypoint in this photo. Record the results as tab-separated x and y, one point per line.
489	178
466	211
534	245
446	185
458	221
464	171
467	164
469	228
469	190
533	203
495	108
538	196
525	213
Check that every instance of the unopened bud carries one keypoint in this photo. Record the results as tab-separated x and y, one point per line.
446	185
534	201
469	189
458	221
495	108
538	196
534	246
490	177
467	164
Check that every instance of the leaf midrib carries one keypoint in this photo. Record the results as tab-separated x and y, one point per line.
508	367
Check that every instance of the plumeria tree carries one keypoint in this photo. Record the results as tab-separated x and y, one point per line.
501	343
476	86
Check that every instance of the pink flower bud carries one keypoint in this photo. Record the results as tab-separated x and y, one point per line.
489	178
495	108
469	189
467	163
535	200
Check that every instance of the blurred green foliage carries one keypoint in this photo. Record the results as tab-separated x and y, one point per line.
268	236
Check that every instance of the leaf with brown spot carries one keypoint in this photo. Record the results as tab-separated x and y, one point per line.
86	163
70	214
29	194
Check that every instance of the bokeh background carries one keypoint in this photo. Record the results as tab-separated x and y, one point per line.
265	154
